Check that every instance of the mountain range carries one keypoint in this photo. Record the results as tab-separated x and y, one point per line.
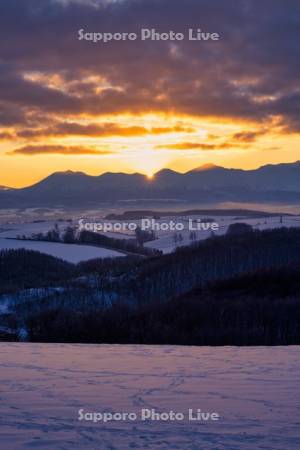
206	184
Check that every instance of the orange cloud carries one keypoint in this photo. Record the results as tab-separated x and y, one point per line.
96	130
6	136
248	136
57	149
193	146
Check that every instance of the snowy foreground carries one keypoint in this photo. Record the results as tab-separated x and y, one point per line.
255	391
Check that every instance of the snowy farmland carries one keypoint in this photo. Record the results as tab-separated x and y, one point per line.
164	241
69	252
254	390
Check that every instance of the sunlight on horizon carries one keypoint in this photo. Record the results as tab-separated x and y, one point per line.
138	143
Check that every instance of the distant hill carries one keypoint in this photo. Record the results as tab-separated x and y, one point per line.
237	289
140	214
208	183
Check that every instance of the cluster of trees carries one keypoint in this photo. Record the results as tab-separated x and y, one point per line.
239	228
220	257
245	310
227	289
143	236
54	235
178	238
161	277
22	269
69	236
126	245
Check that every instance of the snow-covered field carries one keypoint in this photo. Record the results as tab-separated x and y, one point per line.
164	238
255	390
70	252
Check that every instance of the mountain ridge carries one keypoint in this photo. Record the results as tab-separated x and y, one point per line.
271	182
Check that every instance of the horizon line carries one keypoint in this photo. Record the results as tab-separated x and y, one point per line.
203	168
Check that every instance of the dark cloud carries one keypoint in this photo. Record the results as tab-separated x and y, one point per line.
194	146
31	150
6	136
248	136
96	130
251	74
10	116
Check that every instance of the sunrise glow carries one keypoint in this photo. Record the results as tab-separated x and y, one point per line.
140	106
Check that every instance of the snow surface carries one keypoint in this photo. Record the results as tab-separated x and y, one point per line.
254	389
70	252
13	230
165	239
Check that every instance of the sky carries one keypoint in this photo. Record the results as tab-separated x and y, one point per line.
139	106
